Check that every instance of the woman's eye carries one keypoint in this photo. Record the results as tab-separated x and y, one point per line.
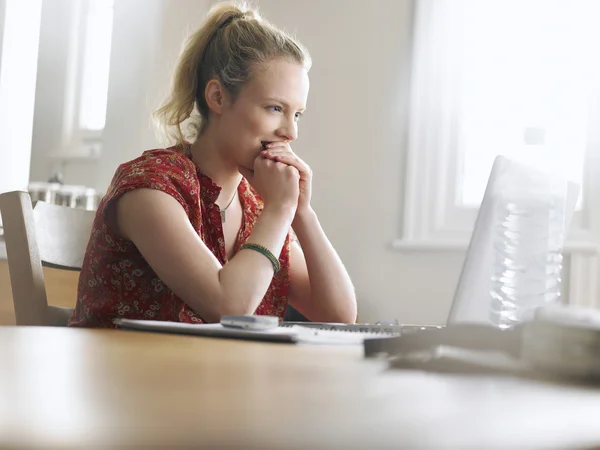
276	108
298	116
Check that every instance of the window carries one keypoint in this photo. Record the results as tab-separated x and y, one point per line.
96	63
19	39
89	64
526	79
512	77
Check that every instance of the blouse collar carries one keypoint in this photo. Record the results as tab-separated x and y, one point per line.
209	190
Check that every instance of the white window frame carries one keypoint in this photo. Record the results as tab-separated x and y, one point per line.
431	219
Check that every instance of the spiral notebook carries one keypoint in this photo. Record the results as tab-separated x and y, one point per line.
327	334
392	330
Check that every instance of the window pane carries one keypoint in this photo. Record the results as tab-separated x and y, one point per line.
96	63
527	78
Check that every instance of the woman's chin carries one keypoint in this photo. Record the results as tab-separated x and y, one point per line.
244	167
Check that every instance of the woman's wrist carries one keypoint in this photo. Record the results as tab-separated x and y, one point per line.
304	217
283	210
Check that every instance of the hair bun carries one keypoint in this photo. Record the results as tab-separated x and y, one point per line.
242	15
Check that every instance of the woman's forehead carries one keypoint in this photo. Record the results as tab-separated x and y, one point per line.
287	81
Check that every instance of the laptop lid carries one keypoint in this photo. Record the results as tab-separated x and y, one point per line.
472	299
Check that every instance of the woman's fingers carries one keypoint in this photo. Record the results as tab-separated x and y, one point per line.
281	152
289	159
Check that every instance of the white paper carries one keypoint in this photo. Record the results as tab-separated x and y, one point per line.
296	333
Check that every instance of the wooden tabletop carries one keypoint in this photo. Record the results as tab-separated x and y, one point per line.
76	388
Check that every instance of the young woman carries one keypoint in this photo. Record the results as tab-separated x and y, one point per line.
204	229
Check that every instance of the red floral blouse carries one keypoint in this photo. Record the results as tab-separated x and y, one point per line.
117	282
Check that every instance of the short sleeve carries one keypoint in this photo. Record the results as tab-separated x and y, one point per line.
166	171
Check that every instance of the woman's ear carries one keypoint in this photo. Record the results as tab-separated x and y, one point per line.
215	96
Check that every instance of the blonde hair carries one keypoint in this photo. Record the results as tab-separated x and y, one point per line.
230	43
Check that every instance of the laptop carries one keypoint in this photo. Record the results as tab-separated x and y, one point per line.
472	300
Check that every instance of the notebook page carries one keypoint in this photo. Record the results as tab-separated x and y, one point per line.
295	333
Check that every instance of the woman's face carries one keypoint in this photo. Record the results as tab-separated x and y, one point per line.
266	109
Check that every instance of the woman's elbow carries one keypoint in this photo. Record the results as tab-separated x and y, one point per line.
212	311
351	311
234	306
349	316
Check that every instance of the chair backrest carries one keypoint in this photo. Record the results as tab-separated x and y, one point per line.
44	234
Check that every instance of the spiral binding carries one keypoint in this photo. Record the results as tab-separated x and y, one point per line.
386	330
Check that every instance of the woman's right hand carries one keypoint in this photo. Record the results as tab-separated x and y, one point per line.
277	183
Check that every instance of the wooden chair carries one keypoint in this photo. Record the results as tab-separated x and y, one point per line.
41	235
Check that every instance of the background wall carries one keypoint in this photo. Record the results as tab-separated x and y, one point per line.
51	87
353	135
19	38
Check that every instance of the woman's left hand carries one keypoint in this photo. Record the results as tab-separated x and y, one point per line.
282	152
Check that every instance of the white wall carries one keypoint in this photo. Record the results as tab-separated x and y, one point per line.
52	87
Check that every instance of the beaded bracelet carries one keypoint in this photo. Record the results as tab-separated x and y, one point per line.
265	251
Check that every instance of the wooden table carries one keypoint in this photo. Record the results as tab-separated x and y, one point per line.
76	388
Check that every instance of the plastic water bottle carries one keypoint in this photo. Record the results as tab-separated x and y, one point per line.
527	259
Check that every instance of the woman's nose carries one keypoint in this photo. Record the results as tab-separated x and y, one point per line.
288	131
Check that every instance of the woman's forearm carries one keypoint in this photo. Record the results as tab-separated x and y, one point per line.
245	279
332	292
